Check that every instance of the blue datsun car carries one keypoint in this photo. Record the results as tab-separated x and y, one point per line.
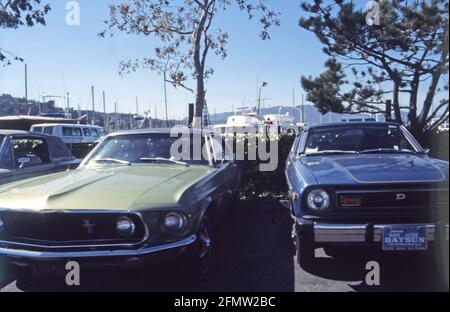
365	184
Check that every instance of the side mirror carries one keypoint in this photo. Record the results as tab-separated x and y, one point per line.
23	161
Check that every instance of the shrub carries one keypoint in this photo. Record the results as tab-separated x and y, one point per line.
438	144
263	184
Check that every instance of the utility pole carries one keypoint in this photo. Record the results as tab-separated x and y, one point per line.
259	102
26	89
130	121
149	115
137	106
116	107
303	108
165	99
105	122
293	103
257	84
264	84
93	106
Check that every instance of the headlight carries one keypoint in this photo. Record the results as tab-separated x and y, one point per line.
318	199
2	225
125	226
174	222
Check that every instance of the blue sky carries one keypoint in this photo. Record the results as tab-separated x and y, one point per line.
64	58
72	58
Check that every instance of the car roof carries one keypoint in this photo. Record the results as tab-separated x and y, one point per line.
161	131
353	123
11	132
34	134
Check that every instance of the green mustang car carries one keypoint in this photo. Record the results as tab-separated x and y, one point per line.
130	200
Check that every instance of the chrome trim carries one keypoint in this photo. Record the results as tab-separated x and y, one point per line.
339	232
356	191
342	233
18	253
72	211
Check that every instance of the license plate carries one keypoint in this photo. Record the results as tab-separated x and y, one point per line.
405	238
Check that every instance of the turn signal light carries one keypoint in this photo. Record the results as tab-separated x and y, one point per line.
351	201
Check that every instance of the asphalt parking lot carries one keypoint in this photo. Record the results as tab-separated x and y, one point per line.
255	253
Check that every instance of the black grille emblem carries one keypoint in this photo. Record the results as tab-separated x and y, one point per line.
400	196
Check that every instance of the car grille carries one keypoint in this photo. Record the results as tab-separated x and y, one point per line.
67	228
422	199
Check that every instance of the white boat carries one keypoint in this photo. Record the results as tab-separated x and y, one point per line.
244	121
279	120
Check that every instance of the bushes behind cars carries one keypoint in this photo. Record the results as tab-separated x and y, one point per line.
262	184
438	144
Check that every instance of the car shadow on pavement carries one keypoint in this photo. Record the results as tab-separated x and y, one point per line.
254	252
413	271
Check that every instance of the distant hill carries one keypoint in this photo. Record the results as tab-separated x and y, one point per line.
10	105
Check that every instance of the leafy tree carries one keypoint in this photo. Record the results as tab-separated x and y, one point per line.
398	57
186	32
17	13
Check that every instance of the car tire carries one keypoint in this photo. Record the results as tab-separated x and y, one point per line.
305	253
201	254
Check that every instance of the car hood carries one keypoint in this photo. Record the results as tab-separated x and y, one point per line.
379	168
103	188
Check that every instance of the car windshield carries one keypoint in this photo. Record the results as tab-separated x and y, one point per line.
147	148
357	138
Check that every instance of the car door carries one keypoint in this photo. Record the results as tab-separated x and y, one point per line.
228	176
30	156
224	155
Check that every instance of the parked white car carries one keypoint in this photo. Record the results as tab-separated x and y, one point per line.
71	134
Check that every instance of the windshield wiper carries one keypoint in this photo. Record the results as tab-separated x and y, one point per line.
328	152
119	161
158	159
387	150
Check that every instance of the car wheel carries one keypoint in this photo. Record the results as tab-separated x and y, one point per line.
201	253
305	253
205	247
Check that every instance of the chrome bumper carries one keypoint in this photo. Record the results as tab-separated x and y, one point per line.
359	233
44	255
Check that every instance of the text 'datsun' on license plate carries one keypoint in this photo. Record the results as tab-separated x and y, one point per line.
405	238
